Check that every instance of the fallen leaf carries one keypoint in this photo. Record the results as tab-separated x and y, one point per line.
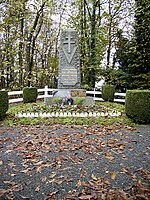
12	175
39	163
51	195
94	177
123	195
121	147
47	146
109	157
17	188
88	197
57	181
8	151
44	178
113	175
25	170
25	197
10	183
3	191
53	175
10	196
74	159
37	189
39	169
81	183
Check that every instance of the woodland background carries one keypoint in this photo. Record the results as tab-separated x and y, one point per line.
114	39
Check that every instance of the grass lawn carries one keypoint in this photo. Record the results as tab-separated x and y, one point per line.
40	107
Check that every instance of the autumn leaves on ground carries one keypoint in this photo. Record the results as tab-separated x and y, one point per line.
74	162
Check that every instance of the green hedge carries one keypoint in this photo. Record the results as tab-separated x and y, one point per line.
3	103
29	94
137	105
108	92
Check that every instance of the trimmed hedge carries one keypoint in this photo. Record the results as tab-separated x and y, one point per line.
108	92
3	103
30	95
137	105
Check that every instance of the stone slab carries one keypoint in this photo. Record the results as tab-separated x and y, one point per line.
69	60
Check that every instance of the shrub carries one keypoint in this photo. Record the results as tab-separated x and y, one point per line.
79	100
108	92
57	100
29	94
137	105
86	87
3	103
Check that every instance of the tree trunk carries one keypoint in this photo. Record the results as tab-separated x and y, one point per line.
31	44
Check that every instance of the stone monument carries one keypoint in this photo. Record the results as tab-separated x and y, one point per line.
69	79
69	60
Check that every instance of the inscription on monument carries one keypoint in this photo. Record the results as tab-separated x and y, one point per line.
69	76
69	62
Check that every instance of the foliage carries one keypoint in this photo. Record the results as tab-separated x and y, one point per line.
125	56
86	87
3	103
108	92
79	100
30	32
142	35
57	100
128	74
29	54
97	28
137	105
119	78
30	94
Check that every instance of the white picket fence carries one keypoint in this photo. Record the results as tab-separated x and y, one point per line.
45	93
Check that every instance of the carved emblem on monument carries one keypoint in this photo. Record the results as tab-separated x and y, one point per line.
69	54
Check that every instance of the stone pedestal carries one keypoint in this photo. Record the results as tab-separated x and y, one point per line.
63	93
89	101
69	93
78	93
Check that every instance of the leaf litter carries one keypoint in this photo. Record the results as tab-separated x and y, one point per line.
69	157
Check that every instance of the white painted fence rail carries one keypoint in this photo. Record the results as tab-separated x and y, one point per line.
45	92
96	95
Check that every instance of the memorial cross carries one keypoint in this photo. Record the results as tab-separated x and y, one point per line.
69	42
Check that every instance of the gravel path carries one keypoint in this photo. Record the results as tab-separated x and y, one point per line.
74	162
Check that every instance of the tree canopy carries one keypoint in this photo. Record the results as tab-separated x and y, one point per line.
112	42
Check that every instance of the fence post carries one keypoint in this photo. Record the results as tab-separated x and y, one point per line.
45	93
94	94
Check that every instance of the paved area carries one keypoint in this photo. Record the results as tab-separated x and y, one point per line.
74	162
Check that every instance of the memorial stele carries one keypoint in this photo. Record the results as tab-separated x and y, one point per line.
69	60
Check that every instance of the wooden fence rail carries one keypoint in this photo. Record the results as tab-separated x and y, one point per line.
47	92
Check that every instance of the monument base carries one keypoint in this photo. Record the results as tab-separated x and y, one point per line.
89	101
62	93
78	93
